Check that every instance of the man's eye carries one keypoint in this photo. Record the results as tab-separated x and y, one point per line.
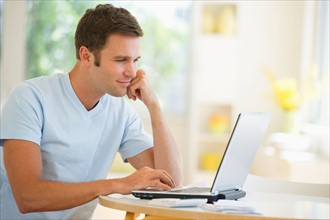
122	60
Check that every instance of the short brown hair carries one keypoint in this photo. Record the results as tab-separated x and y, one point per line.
98	23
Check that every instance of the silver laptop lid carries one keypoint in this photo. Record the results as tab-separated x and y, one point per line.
241	149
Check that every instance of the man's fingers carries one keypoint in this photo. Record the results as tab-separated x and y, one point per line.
130	95
139	76
167	179
163	186
134	90
158	178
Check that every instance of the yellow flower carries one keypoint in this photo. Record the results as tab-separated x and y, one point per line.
287	94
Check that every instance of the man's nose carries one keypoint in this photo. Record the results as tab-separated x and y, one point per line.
130	70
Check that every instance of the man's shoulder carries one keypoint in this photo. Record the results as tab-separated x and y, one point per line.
45	80
37	87
41	82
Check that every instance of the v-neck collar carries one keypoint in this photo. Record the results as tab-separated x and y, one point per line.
89	114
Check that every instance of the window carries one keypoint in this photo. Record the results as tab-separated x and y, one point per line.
50	36
322	57
319	109
1	31
50	42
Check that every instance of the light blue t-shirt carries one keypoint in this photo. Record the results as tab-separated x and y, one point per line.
76	145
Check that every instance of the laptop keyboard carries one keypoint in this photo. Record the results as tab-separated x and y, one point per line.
191	190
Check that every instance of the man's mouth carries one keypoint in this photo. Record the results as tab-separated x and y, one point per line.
124	82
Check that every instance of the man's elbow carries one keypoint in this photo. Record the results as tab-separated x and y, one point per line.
26	203
23	209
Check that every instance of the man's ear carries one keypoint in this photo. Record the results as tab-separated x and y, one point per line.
86	57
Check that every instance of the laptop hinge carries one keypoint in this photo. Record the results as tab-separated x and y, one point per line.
229	188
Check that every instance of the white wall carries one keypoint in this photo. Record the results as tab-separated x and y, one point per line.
227	69
13	46
270	35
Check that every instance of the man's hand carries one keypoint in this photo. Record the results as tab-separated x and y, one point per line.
165	154
140	88
144	178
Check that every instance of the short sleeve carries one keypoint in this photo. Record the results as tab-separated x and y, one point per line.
135	139
21	116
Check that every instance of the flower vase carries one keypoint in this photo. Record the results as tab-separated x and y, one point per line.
292	122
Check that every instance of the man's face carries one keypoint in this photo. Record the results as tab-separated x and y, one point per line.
117	65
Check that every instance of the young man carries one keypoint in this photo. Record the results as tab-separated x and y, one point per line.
60	133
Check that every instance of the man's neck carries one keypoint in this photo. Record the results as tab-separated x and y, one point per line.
83	88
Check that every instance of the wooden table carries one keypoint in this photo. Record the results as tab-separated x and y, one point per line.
270	205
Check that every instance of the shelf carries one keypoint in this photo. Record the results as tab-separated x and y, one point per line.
219	19
212	133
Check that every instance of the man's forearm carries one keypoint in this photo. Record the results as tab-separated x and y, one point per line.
166	153
46	195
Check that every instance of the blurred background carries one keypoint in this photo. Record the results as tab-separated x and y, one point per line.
207	61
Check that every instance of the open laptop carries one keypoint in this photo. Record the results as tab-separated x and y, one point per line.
234	167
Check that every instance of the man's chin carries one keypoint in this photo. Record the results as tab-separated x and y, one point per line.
117	94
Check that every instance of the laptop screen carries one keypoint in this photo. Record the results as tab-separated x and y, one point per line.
241	149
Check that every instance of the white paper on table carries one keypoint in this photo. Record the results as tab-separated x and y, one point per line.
232	206
175	203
